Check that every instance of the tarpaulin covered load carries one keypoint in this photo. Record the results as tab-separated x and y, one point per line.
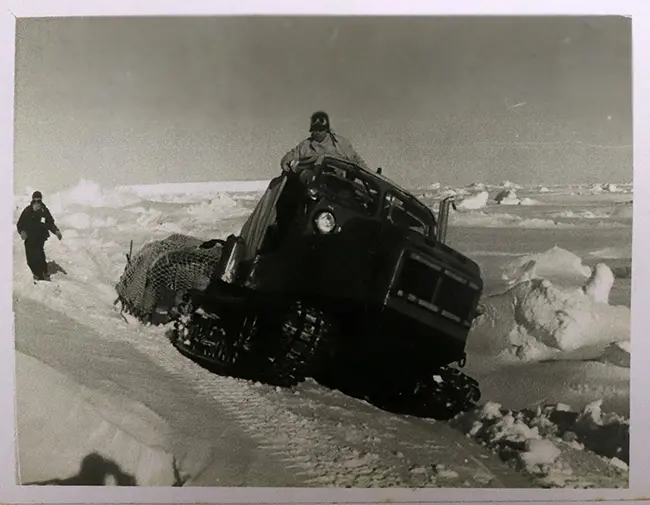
165	269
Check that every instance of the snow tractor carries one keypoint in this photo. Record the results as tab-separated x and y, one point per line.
341	275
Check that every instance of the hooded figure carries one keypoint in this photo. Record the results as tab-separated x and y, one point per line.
321	141
34	225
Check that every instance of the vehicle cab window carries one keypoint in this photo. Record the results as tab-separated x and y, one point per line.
349	186
405	214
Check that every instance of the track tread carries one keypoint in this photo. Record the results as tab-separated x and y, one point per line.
203	336
446	393
305	336
300	331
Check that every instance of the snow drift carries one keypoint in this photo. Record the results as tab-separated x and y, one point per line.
477	186
218	207
193	190
619	252
507	197
583	214
499	220
624	211
543	441
536	319
556	264
477	201
611	188
126	438
89	194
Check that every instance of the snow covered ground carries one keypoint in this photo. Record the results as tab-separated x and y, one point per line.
551	351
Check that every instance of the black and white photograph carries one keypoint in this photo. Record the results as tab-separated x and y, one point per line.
323	252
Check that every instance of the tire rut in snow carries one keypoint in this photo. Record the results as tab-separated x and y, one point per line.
320	437
429	451
318	458
370	449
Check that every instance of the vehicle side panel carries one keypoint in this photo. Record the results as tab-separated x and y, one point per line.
257	223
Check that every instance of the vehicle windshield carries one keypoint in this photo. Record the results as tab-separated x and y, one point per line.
350	186
405	213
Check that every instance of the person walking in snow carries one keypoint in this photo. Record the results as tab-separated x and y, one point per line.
322	140
34	225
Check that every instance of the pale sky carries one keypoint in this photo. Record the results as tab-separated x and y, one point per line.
450	100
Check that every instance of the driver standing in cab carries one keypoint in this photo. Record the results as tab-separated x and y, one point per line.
322	140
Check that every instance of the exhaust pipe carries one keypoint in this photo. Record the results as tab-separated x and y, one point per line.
443	218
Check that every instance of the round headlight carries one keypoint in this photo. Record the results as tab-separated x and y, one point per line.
325	222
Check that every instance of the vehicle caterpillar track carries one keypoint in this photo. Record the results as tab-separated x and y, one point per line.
237	344
306	342
439	393
445	393
204	337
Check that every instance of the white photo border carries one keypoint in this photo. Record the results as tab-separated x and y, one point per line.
639	485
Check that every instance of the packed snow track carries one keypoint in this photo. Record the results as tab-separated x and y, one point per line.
230	432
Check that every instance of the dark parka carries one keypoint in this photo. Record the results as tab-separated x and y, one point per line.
37	224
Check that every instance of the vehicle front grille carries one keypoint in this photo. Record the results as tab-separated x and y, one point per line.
419	279
430	285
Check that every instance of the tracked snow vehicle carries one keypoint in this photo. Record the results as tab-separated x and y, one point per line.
339	273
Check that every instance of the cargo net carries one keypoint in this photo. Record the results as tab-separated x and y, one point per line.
155	278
